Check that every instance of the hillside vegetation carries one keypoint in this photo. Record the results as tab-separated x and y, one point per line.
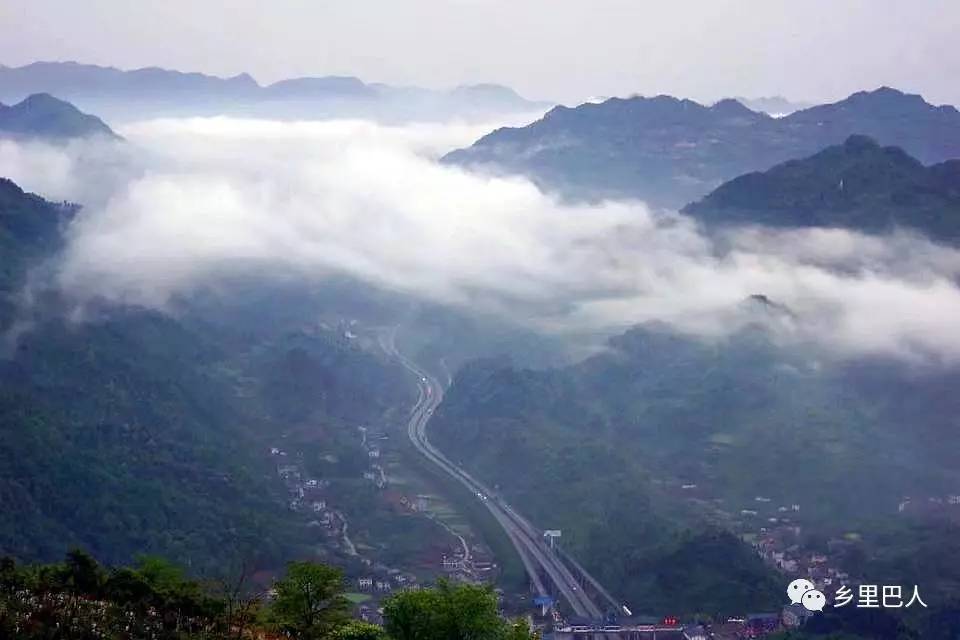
858	185
138	432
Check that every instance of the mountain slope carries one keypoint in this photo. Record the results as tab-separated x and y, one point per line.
857	185
136	432
661	148
29	230
603	450
927	132
41	115
670	152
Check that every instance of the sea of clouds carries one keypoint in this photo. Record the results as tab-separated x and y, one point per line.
186	201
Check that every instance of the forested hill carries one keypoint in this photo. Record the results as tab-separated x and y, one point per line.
857	185
137	432
601	450
29	231
43	116
670	152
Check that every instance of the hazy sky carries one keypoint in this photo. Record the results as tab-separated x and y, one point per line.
554	49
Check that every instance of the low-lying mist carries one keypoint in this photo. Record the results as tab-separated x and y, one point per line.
186	201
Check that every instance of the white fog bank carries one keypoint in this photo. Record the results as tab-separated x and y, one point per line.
189	200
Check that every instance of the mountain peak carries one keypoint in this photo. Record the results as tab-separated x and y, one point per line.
45	100
888	95
243	78
8	186
884	90
731	106
45	116
883	102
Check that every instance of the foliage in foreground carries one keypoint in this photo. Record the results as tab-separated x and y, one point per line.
79	599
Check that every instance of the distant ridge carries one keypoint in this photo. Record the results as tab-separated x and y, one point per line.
153	91
44	116
858	185
670	151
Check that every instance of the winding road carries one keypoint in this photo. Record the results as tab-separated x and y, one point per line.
537	558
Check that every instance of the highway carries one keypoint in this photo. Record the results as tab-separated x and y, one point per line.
526	538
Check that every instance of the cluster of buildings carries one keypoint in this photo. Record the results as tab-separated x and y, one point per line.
774	531
308	495
777	548
386	581
379	583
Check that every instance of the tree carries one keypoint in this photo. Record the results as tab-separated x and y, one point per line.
309	601
83	573
450	612
414	615
241	605
128	588
10	578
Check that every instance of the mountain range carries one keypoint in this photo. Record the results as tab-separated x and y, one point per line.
40	115
121	95
669	152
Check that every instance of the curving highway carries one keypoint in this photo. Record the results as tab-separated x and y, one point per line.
537	558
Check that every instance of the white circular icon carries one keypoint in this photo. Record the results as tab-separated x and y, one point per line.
814	600
797	588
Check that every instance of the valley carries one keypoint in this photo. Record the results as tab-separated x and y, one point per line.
340	336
